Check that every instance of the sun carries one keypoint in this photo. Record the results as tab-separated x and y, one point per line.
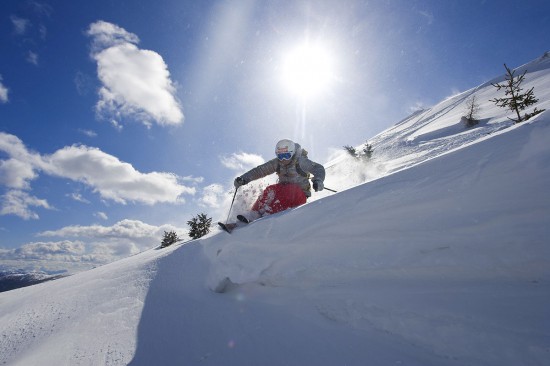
307	69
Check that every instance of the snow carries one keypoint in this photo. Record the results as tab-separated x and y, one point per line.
435	252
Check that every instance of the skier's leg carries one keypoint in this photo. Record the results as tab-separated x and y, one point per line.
287	196
263	203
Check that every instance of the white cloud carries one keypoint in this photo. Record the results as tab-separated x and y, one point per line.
116	125
101	215
113	179
105	174
15	173
15	148
55	256
241	161
128	229
192	179
78	197
20	168
20	25
115	250
107	35
32	58
88	133
45	250
135	83
16	202
140	235
77	248
3	92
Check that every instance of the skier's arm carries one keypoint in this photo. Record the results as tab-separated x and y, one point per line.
260	171
311	167
317	170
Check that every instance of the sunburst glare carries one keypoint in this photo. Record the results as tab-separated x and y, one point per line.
307	69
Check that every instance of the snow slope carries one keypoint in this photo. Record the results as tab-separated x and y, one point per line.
437	253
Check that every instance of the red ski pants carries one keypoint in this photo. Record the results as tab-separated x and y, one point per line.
279	197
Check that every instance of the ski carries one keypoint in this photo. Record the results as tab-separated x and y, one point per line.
227	227
241	218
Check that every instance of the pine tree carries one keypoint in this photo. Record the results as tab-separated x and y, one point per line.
351	150
169	238
515	100
200	226
472	108
367	151
364	154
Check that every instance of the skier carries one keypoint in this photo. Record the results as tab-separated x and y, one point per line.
292	189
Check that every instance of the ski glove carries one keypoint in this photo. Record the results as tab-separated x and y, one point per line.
318	185
239	181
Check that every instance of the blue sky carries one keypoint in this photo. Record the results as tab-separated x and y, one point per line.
122	119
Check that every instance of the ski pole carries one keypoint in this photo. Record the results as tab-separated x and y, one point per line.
230	207
328	189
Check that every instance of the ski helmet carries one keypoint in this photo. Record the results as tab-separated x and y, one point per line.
285	149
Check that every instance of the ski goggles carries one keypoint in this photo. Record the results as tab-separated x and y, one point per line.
284	156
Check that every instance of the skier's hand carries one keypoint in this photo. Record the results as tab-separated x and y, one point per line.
318	185
239	181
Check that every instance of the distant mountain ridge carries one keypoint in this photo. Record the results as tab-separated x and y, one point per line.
11	280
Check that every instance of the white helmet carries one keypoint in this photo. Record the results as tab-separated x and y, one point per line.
285	149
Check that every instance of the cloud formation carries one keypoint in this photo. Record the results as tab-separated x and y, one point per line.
32	58
241	161
32	33
18	203
113	179
125	229
101	215
47	250
20	25
77	248
21	166
3	92
109	243
88	133
62	256
135	83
